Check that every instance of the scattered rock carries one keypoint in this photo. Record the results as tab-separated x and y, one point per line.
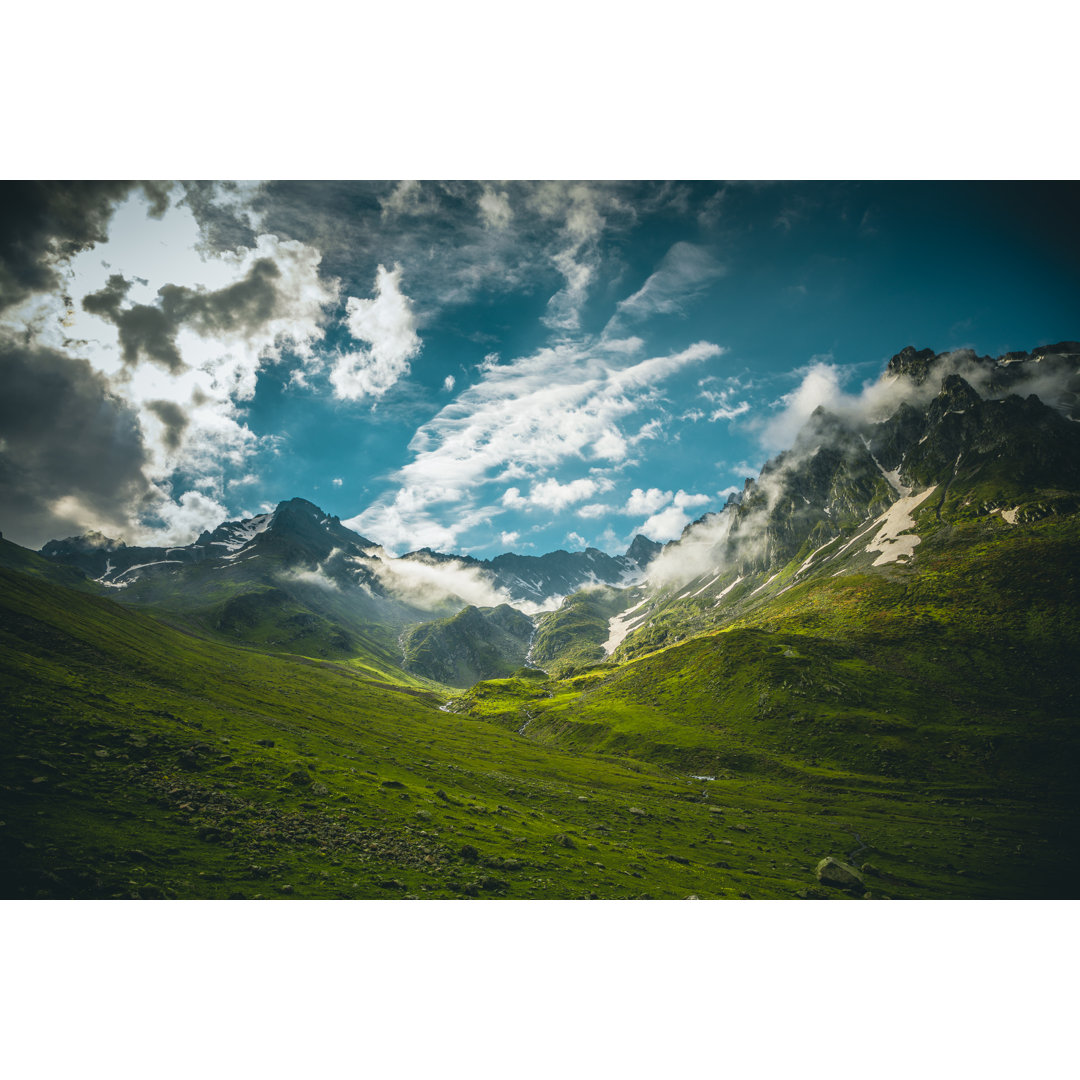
494	884
870	869
678	859
298	777
637	811
839	875
469	853
264	742
392	784
564	841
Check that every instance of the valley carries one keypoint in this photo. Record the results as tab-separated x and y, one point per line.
868	654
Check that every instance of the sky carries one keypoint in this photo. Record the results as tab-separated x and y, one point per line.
476	367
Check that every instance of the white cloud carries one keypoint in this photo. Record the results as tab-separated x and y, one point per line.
387	324
508	538
184	519
729	412
555	496
448	383
428	583
585	210
646	502
683	274
220	348
611	445
494	208
575	540
523	418
594	510
664	524
338	481
684	499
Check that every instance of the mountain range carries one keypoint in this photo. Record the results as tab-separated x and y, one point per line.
868	655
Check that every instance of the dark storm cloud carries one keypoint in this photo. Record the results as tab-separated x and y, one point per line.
63	434
150	330
44	222
174	420
222	228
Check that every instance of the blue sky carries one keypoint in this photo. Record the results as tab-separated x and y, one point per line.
483	367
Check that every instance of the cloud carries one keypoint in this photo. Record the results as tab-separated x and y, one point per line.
337	481
594	510
664	524
554	496
576	540
495	209
448	383
819	386
72	450
522	419
646	502
682	276
729	412
698	552
508	538
184	519
174	422
175	332
429	583
585	209
387	324
45	223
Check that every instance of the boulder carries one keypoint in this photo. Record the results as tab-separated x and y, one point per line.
839	875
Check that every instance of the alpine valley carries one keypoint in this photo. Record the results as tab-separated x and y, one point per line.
859	678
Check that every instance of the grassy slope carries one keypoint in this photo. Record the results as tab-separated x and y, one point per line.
953	686
571	638
135	764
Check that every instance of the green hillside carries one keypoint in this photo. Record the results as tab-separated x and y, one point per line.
141	761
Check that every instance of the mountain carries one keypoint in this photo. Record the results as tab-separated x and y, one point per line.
946	442
869	654
472	645
537	579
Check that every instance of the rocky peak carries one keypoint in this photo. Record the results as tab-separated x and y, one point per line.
912	363
642	550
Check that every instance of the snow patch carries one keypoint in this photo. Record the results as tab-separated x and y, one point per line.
764	583
620	625
892	476
709	586
721	595
893	540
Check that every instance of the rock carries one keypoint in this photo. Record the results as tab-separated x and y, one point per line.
637	811
839	875
678	859
870	869
264	742
392	784
469	853
564	841
298	777
493	884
